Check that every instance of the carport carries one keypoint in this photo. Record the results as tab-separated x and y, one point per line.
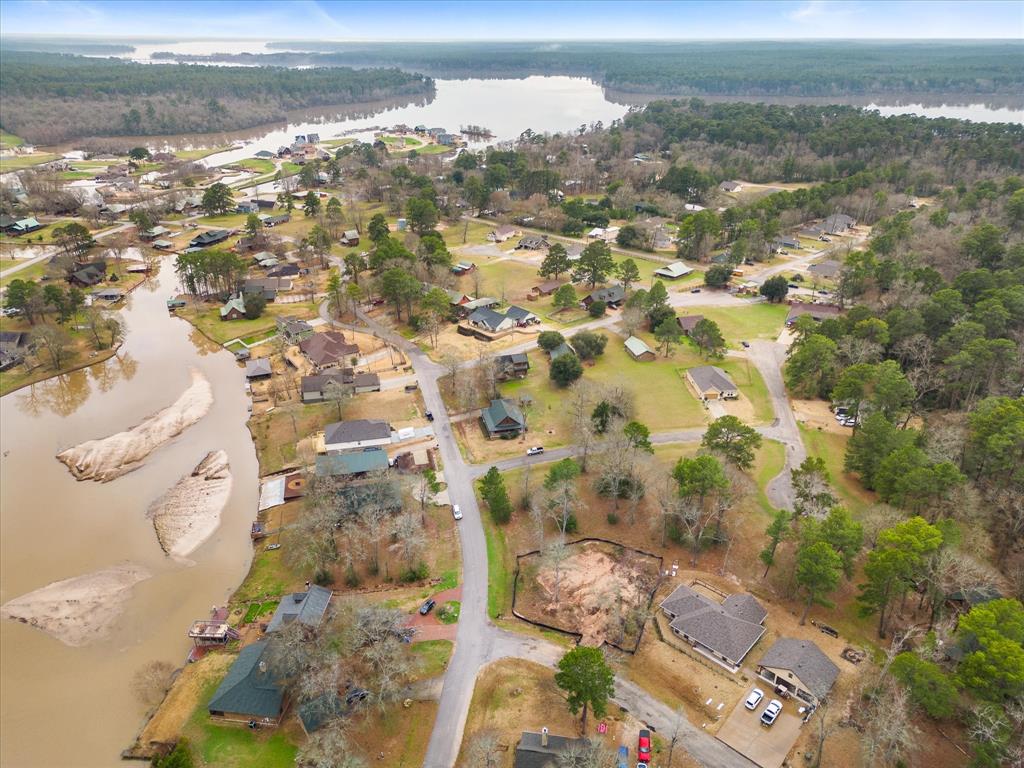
767	747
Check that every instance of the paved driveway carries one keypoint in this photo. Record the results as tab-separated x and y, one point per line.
767	747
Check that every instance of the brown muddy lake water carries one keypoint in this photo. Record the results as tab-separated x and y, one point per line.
63	706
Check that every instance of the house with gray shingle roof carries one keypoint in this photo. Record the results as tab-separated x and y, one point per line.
723	631
710	382
800	667
489	320
308	607
249	690
357	434
543	750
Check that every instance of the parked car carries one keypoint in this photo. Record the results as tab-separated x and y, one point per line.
793	285
841	412
746	344
754	699
695	290
643	747
622	757
535	451
456	512
429	415
428	606
356	695
771	712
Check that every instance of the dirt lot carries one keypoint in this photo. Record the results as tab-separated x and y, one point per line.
601	591
512	696
398	738
816	415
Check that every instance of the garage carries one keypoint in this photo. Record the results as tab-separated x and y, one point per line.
767	747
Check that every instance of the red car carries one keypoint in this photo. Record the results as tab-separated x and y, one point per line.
643	747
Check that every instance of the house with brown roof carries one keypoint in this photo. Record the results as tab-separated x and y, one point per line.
688	322
817	312
724	632
327	350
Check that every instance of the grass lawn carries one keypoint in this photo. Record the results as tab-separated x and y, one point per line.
769	462
276	433
199	154
45	234
500	569
433	655
226	220
832	448
18	162
426	149
10	140
34	272
76	175
337	142
234	746
449	612
256	610
257	164
757	321
207	319
268	577
289	168
82	354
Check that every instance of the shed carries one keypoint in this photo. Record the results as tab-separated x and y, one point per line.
258	368
673	271
639	350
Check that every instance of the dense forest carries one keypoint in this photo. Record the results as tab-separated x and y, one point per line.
775	69
51	98
65	45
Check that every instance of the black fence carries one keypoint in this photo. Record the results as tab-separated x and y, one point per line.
577	636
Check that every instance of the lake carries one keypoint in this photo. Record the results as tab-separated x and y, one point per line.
64	706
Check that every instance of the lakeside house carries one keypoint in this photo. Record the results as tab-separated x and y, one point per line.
13	346
293	330
233	309
352	465
249	691
89	274
800	668
154	233
502	418
357	434
268	286
258	368
724	632
307	607
211	237
710	382
639	350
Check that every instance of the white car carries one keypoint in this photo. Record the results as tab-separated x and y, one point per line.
754	699
771	712
535	451
456	512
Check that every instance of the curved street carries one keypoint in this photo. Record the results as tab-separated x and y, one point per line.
479	642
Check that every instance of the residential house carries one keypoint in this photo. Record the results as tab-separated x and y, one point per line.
963	600
612	296
463	268
828	269
107	294
293	330
307	607
315	713
162	245
573	251
13	345
730	186
327	350
457	298
786	242
89	274
354	435
543	750
354	464
154	232
800	668
514	366
24	226
838	223
639	350
258	368
502	233
724	632
314	388
547	288
817	312
502	418
265	155
532	243
561	349
247	206
673	271
6	222
211	237
284	270
490	321
268	286
710	382
266	204
233	309
273	221
249	691
521	317
688	322
350	238
597	233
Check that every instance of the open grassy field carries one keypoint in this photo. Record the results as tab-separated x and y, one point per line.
226	220
206	317
33	272
757	321
832	448
426	149
257	164
433	656
18	162
10	140
199	154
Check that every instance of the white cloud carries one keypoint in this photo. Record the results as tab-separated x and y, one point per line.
811	10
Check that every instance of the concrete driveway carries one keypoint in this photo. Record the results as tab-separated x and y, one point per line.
767	747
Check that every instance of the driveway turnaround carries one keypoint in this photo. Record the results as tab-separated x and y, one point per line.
767	747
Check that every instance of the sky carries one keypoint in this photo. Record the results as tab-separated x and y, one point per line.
520	20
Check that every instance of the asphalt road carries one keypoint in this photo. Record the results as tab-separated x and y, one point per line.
478	641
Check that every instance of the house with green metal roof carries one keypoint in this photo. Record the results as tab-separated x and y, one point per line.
233	309
502	418
353	464
249	690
